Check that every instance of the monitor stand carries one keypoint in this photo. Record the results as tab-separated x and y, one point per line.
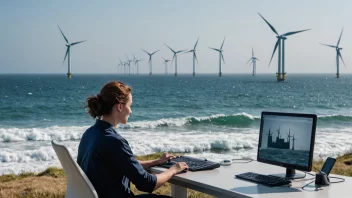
290	174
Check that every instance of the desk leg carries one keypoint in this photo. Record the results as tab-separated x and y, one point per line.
178	191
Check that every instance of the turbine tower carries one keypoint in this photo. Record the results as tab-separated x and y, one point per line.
120	65
194	57
69	45
254	62
221	56
289	137
175	57
150	61
280	75
136	63
338	55
129	65
293	142
165	62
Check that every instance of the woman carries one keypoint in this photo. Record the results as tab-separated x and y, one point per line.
106	157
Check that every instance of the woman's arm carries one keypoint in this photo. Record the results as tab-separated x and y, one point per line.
166	175
149	163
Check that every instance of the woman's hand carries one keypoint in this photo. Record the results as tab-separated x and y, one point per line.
165	157
179	167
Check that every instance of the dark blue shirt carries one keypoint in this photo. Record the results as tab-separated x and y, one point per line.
108	161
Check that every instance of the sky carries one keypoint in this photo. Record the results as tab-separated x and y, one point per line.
30	40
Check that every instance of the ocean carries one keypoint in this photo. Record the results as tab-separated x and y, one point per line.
204	116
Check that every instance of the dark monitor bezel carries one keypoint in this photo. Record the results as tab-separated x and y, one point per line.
312	141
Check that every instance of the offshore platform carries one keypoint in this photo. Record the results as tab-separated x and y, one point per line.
279	142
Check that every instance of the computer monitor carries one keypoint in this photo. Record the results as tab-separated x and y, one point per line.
287	140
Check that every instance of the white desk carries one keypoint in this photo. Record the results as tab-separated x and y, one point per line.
221	182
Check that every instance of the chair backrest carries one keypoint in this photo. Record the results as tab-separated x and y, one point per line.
77	182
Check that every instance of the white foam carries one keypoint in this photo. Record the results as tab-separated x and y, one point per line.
35	156
41	134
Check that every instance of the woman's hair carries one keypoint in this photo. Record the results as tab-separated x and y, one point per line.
112	93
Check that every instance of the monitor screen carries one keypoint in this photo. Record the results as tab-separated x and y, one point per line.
287	140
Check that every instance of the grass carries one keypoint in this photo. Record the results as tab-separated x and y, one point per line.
51	183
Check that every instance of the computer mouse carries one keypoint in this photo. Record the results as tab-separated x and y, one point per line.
226	162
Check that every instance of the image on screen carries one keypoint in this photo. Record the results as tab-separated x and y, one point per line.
286	139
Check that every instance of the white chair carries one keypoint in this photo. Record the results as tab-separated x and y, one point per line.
77	183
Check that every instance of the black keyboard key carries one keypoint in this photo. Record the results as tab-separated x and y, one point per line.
269	180
194	164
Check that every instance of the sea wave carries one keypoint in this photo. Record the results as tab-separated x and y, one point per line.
41	134
44	153
335	118
198	124
234	120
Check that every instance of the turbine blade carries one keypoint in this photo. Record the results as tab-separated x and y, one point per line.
339	53
163	58
295	32
188	51
252	52
77	42
339	38
271	27
251	64
248	61
180	51
196	44
66	55
277	43
155	52
222	56
170	48
214	49
328	45
222	43
134	56
63	35
146	52
173	58
195	56
257	59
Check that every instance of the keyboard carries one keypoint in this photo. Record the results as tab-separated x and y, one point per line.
194	164
269	180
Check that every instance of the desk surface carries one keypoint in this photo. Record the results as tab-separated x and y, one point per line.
221	182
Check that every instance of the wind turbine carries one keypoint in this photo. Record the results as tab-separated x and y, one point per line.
150	61
221	56
124	64
293	142
254	62
129	65
69	45
338	55
165	62
270	138
194	57
280	75
175	57
120	65
289	135
136	62
278	133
